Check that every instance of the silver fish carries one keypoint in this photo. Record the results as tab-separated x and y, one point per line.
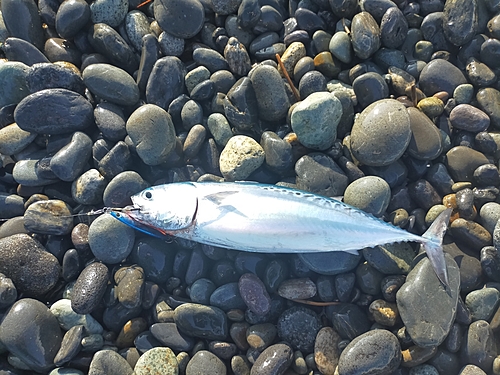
270	219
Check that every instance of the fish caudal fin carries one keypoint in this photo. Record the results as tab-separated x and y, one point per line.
433	244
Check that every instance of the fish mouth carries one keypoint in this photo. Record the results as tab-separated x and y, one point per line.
133	216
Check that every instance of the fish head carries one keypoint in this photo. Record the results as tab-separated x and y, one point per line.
161	210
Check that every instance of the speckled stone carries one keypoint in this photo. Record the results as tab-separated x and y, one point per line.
111	12
40	269
326	350
291	324
241	156
30	332
272	98
157	361
375	352
89	288
315	120
381	133
370	194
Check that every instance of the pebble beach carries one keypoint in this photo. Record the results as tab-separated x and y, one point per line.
392	106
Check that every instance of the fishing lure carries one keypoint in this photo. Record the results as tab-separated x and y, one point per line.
270	219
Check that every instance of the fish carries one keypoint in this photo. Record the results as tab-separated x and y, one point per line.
263	218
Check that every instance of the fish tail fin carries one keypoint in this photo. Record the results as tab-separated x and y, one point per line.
433	244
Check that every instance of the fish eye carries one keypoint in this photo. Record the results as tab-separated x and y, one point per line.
148	195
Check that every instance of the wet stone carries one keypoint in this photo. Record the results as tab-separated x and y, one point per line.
227	297
315	120
58	49
469	266
426	141
365	37
168	334
319	174
70	345
463	161
393	28
155	257
54	111
276	359
13	85
110	120
482	303
428	327
489	101
211	59
69	162
479	74
196	76
290	328
260	336
381	133
487	175
490	263
291	56
440	75
378	349
191	114
340	47
111	84
108	362
310	82
278	152
390	259
31	29
110	240
50	76
201	321
129	284
460	21
122	187
8	291
171	16
49	217
370	87
254	294
166	81
40	269
240	157
152	132
89	288
30	332
479	345
71	17
205	362
469	118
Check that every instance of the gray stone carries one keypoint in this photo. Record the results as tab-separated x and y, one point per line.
201	321
68	318
375	352
370	194
315	120
479	346
151	130
54	111
111	83
241	156
205	362
272	98
173	16
482	303
110	240
13	86
13	139
51	216
426	307
30	332
440	75
381	133
109	362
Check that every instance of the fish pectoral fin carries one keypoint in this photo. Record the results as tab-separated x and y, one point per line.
231	208
219	197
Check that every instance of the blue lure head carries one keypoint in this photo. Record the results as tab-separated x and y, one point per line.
128	216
